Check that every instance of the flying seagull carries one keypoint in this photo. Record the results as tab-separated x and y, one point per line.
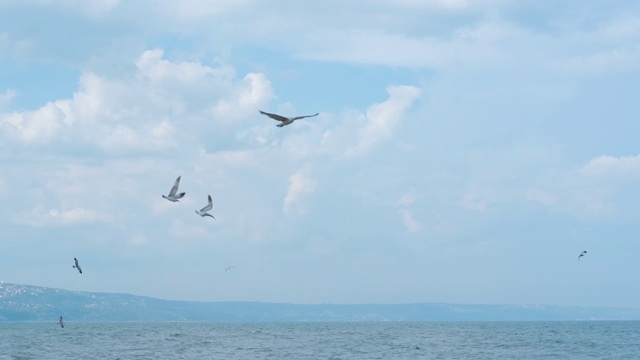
285	120
581	254
229	268
60	322
173	197
77	266
203	211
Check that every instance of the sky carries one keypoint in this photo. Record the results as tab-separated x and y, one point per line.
464	152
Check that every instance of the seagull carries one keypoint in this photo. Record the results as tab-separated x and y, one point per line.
285	120
229	268
172	194
203	211
77	266
60	322
582	254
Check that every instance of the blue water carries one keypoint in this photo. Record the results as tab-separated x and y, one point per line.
396	340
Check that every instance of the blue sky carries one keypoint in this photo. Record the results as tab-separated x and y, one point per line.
465	151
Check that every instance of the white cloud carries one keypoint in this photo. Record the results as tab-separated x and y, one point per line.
470	201
38	126
183	230
593	190
224	158
300	183
152	66
139	239
408	198
41	216
382	118
409	222
468	46
14	48
252	92
447	4
193	9
7	97
624	167
609	60
543	197
141	112
92	8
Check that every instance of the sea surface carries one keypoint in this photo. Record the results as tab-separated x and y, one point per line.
326	340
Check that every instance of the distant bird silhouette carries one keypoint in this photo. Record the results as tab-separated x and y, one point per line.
203	211
581	254
173	197
60	322
285	120
77	265
229	268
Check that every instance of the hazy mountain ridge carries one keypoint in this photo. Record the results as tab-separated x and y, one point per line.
34	303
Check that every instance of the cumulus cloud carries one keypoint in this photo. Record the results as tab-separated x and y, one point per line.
140	112
382	118
254	90
300	183
35	126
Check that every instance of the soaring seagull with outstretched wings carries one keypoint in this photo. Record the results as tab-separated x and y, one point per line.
582	254
229	268
204	210
77	265
285	120
173	196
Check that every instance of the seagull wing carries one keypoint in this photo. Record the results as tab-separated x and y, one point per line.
174	189
274	116
209	205
305	116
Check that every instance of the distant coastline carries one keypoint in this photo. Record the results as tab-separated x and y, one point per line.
35	303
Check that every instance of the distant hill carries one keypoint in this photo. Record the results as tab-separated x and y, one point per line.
34	303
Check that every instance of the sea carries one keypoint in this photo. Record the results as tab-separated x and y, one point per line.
321	340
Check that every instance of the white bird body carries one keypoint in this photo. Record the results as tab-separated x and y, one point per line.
285	120
204	211
173	195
